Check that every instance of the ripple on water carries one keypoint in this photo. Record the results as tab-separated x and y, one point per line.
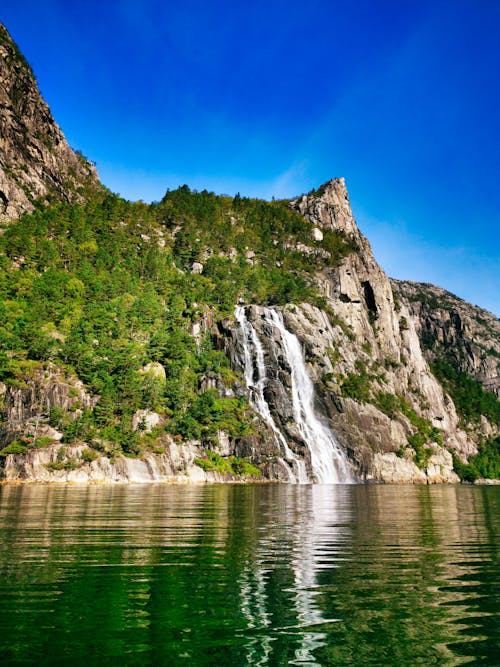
249	575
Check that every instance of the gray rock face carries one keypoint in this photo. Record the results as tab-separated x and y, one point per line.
60	463
449	327
35	159
393	469
26	408
329	208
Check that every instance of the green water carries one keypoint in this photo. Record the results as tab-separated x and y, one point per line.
249	575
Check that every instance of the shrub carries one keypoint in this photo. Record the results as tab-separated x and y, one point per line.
43	441
467	472
356	386
418	442
470	398
69	464
486	463
388	403
228	465
14	448
88	455
56	417
487	459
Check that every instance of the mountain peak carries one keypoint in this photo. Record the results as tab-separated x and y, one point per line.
36	161
329	207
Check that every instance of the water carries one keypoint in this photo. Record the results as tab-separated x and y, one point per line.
249	575
255	378
328	462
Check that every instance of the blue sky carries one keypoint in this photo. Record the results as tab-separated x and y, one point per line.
273	98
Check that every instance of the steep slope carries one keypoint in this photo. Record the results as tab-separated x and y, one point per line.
467	336
373	384
35	159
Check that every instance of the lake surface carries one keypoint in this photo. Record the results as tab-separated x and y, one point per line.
249	575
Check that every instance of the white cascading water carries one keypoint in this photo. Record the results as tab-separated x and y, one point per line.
328	462
253	350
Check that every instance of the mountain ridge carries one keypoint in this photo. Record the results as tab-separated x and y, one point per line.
36	161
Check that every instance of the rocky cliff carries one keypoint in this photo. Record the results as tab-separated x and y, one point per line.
35	159
452	329
373	383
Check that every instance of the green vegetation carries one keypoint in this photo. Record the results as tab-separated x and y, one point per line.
484	464
424	432
22	445
219	232
470	398
208	414
228	464
390	404
88	455
15	447
68	464
43	441
102	290
358	385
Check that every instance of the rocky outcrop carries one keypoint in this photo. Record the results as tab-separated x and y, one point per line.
35	159
373	383
27	405
452	329
72	463
393	469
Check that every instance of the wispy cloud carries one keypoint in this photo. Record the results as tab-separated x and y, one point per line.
290	182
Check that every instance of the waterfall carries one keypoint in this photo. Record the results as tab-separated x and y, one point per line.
254	352
328	462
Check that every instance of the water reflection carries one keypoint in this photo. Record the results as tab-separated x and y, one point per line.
304	530
249	575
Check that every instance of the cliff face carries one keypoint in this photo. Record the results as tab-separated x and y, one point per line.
450	328
373	384
377	443
35	159
27	406
63	463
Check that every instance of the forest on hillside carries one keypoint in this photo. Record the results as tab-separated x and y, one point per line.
104	290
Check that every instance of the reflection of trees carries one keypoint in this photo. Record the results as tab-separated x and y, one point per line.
402	598
247	575
209	575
